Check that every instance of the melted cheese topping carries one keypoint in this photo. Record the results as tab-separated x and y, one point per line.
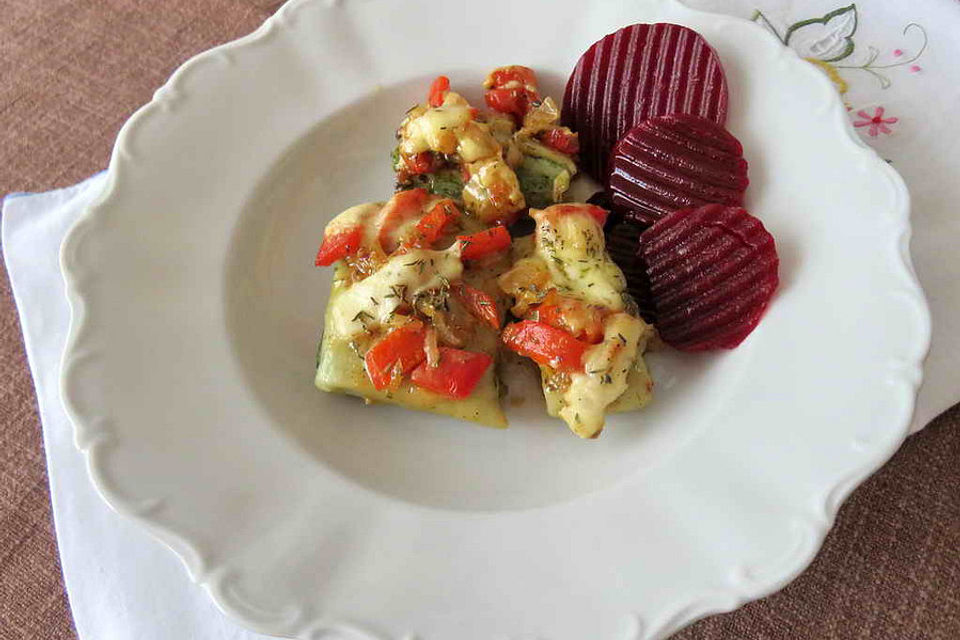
606	368
475	142
371	302
353	217
359	215
434	130
493	191
571	245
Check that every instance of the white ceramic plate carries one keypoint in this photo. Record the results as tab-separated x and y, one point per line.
197	309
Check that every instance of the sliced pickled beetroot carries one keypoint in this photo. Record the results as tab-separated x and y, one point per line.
623	245
712	272
675	162
639	72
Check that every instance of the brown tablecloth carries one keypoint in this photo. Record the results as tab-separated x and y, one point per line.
72	72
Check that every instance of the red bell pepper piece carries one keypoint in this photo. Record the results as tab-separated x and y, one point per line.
456	374
510	101
420	163
545	345
395	354
482	243
339	245
515	73
403	206
480	304
580	320
438	90
432	225
511	90
563	141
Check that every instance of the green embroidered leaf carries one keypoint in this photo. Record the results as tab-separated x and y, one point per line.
763	21
828	39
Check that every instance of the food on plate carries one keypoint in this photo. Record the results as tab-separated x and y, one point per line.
414	312
578	323
712	272
639	72
675	162
496	162
478	255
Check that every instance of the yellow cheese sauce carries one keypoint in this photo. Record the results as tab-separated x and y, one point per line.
435	129
493	189
372	301
606	370
572	248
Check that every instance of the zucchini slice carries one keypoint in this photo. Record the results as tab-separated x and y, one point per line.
340	369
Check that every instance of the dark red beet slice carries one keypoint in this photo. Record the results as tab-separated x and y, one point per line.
675	162
639	72
623	243
712	272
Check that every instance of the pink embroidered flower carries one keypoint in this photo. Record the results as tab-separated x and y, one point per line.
898	52
916	68
876	122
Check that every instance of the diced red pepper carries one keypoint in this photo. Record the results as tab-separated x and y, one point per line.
432	225
403	206
420	163
582	321
545	345
480	304
512	73
438	90
598	213
511	101
483	243
456	375
395	354
511	89
339	245
563	141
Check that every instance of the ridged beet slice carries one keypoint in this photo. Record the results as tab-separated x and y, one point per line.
636	73
675	162
623	244
712	272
